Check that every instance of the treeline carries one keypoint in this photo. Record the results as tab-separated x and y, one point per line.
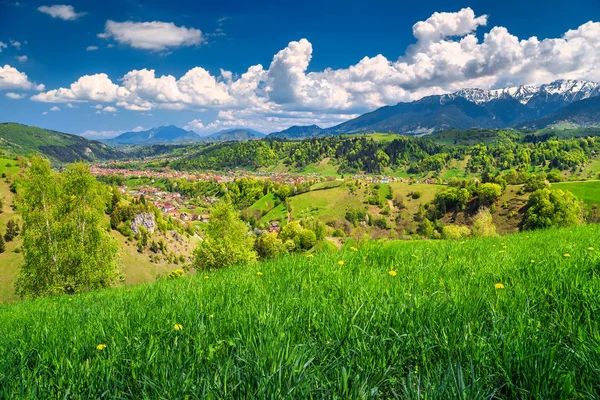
416	155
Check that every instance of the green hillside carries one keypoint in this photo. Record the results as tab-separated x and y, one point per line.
23	140
508	317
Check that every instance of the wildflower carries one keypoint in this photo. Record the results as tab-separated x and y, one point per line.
211	316
462	242
259	273
205	276
341	262
309	256
178	327
353	248
532	261
590	248
101	347
393	273
499	286
502	251
70	299
567	255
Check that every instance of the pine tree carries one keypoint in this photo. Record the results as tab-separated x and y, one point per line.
2	245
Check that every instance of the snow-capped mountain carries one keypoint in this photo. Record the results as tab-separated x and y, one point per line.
564	90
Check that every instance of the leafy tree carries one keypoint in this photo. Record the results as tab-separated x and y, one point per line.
455	231
547	208
12	230
227	240
1	206
65	243
2	245
487	193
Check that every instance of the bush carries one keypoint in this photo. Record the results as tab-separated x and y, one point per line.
482	224
415	195
307	239
268	245
455	232
178	273
488	193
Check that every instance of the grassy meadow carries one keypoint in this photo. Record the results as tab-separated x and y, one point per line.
510	318
588	192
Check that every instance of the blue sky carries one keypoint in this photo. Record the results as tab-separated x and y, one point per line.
112	66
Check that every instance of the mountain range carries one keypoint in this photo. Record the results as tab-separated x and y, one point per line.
520	106
173	134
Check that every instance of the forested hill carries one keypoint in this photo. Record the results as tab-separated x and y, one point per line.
500	151
58	146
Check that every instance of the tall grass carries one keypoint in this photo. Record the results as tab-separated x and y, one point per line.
312	328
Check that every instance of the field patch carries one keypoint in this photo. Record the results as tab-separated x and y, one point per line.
588	192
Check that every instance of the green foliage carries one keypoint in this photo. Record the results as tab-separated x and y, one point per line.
356	215
65	243
176	274
547	208
227	240
303	239
2	245
454	232
269	245
483	224
488	193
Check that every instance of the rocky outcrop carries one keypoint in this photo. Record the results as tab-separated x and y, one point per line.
144	219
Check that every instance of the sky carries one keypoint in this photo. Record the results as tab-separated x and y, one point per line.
100	68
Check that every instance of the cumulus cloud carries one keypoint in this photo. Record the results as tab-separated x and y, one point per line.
155	36
55	108
64	12
3	46
109	109
22	58
445	56
15	96
195	125
15	44
91	48
11	78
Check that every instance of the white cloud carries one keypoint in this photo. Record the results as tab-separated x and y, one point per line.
156	36
64	12
11	78
446	56
3	46
55	108
69	105
15	96
15	44
21	58
91	48
45	113
109	109
195	125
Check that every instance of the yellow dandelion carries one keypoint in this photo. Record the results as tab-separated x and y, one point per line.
259	273
100	347
70	299
341	262
353	248
309	256
393	273
502	251
590	248
178	327
462	242
532	261
205	276
499	286
211	316
567	255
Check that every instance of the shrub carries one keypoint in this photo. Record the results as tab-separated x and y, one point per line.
482	224
175	274
268	245
455	232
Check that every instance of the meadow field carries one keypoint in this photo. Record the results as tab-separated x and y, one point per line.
588	192
511	317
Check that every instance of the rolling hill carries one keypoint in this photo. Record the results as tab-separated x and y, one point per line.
58	146
580	114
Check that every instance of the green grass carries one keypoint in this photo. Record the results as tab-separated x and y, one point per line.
324	203
588	192
13	169
265	203
311	328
